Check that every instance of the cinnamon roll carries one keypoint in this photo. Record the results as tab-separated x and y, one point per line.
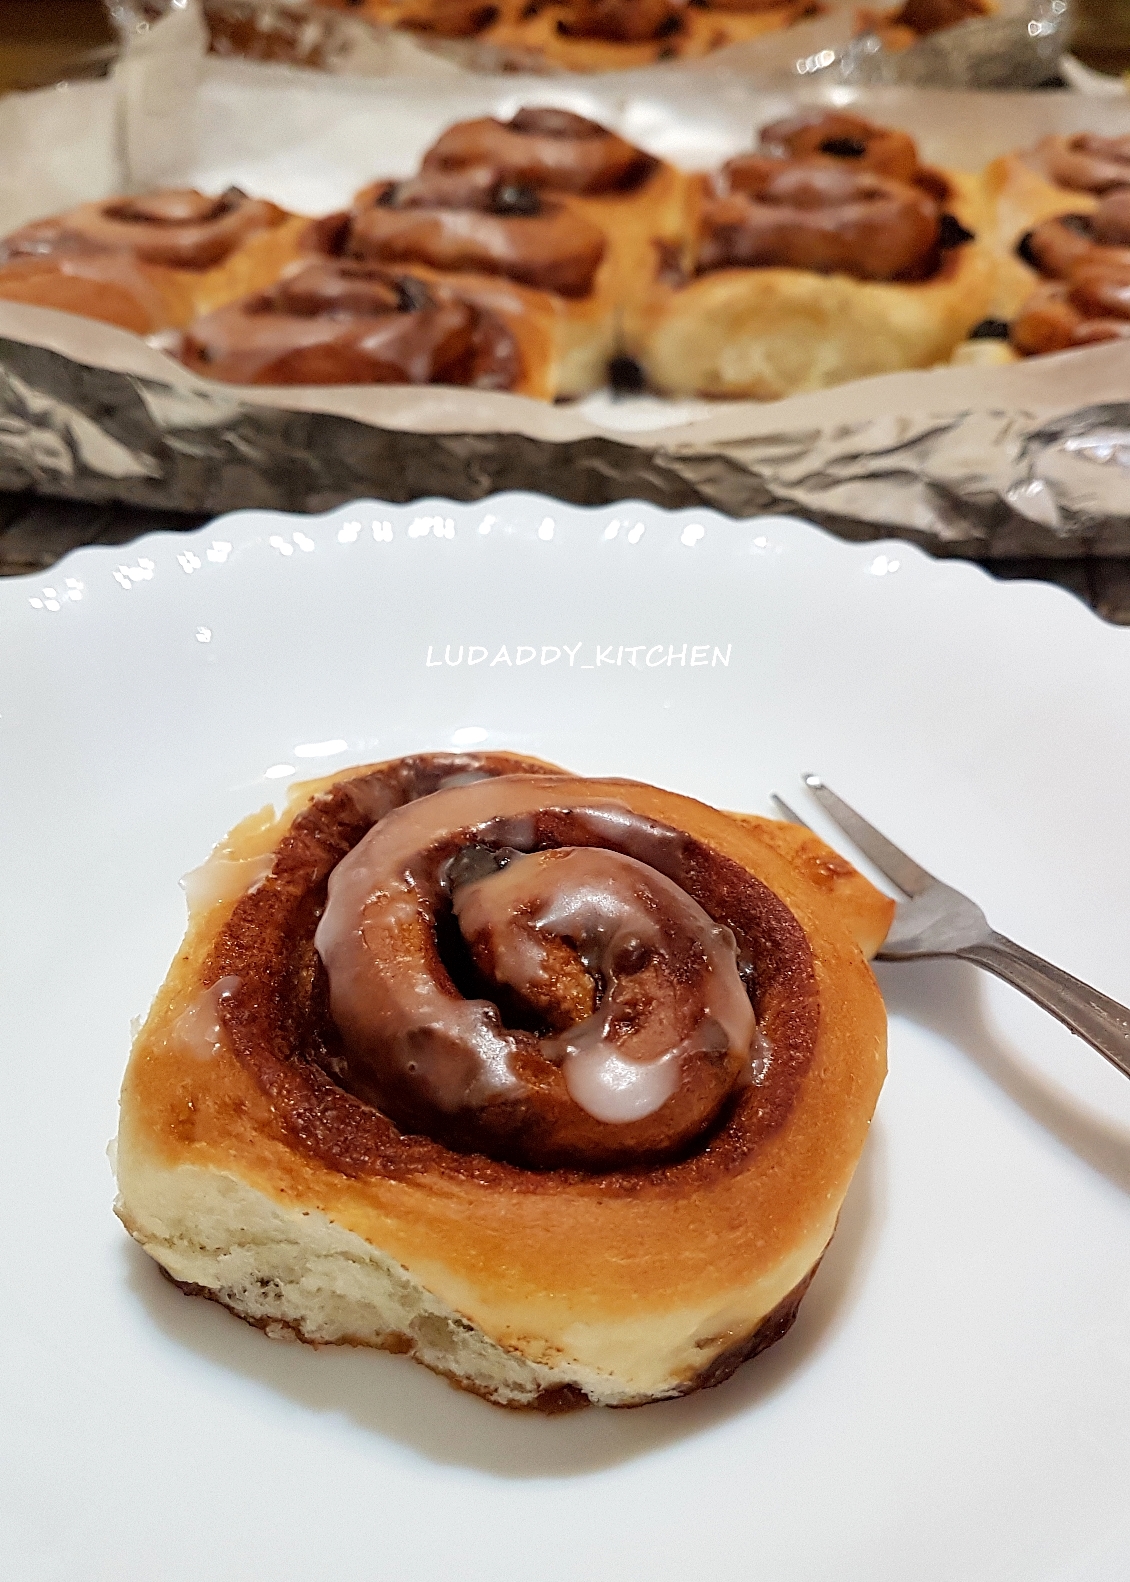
584	35
333	321
807	269
534	259
637	203
556	1084
1062	177
148	262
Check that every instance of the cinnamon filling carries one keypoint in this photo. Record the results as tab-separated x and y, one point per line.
513	969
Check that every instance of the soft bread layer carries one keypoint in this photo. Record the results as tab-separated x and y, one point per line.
295	1272
621	1296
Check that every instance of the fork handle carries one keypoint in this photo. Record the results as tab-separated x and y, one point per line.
1100	1020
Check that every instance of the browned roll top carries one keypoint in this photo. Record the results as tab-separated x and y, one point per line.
543	148
817	214
837	135
622	21
333	321
179	228
470	222
517	966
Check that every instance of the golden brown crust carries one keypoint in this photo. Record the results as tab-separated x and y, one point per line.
81	262
650	1307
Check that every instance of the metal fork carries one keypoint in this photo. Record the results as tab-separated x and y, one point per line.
936	920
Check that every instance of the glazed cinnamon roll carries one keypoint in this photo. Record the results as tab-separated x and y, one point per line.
1061	178
807	270
532	263
148	262
339	322
555	1084
638	204
1085	260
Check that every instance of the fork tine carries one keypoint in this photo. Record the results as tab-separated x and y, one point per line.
786	811
900	869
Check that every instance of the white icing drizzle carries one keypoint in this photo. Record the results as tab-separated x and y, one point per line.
224	879
622	1062
198	1029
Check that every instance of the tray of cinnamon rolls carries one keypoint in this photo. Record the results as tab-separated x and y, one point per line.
946	42
543	254
330	286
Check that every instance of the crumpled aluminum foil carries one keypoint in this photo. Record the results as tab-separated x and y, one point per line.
984	484
1017	47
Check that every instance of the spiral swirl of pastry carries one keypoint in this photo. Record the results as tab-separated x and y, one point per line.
1059	246
471	221
1091	306
816	214
1085	162
331	321
838	135
177	228
644	1024
524	966
543	148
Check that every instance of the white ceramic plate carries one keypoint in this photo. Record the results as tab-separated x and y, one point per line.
953	1402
